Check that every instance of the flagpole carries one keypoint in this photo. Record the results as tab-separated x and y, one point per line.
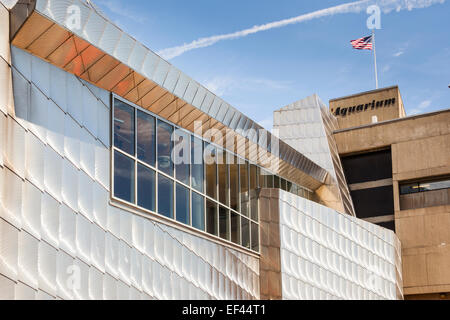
375	57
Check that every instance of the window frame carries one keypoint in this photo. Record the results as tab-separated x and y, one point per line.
188	186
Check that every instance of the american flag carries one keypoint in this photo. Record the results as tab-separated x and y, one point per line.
363	43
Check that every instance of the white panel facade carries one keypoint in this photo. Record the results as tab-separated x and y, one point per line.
328	255
60	237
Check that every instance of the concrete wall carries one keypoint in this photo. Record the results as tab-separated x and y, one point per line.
420	149
323	254
356	119
55	212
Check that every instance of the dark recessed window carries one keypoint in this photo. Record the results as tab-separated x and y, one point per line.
123	177
211	217
224	223
255	237
165	163
198	211
124	127
146	179
165	196
235	228
182	211
146	144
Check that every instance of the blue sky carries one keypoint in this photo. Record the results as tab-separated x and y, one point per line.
265	71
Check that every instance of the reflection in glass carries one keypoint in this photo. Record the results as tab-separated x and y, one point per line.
182	156
235	228
182	202
255	237
146	188
211	171
146	138
197	164
254	192
245	226
223	177
123	177
198	211
165	163
283	184
234	184
224	223
165	196
276	182
124	127
211	217
244	178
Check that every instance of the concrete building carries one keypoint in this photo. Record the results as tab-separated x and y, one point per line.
397	170
123	178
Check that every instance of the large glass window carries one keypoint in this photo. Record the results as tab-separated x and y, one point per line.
162	168
146	188
182	203
146	133
197	164
165	196
198	211
165	163
123	177
124	127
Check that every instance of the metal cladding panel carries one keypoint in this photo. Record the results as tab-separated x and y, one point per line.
22	96
322	256
55	132
161	72
87	152
72	138
67	230
172	79
6	93
50	220
15	153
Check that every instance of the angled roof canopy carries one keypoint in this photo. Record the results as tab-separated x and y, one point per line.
75	37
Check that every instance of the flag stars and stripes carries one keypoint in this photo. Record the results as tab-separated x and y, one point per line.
364	43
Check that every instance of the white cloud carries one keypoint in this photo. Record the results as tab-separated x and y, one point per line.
422	107
386	68
351	7
398	54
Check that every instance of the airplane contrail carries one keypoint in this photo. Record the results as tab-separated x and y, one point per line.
352	7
